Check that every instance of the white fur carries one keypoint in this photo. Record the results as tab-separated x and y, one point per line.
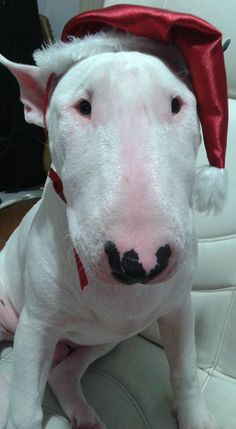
60	56
210	189
128	174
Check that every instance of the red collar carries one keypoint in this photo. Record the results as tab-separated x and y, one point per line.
58	186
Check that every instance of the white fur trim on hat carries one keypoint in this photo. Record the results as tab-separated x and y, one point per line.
210	189
60	56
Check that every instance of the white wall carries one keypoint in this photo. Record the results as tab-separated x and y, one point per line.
58	12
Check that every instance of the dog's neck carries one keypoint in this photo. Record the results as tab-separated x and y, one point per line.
58	187
56	181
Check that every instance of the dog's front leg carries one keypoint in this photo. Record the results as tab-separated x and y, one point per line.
177	331
34	345
65	381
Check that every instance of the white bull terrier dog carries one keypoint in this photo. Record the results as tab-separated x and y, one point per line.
113	249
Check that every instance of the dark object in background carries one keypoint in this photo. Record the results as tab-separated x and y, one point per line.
11	216
21	144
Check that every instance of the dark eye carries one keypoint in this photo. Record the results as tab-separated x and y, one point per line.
175	105
84	108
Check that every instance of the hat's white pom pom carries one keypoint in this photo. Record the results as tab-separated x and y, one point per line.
210	189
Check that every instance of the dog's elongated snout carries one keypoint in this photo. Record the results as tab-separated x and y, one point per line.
129	269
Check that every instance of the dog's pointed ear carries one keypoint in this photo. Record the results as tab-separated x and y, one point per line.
32	81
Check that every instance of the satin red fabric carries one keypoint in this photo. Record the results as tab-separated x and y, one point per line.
201	46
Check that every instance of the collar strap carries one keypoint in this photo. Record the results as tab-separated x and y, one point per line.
58	186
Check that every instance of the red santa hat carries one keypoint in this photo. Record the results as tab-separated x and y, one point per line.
201	47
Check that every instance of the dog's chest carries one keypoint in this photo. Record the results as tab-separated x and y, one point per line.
91	328
103	314
103	332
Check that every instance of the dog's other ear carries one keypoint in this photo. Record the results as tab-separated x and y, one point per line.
32	81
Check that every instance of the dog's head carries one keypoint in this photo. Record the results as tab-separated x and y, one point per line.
124	135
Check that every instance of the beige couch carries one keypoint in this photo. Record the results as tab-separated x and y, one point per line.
129	388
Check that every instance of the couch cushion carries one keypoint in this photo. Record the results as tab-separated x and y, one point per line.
129	389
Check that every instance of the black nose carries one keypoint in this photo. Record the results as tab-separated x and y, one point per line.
129	269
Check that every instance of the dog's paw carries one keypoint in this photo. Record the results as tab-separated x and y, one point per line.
196	417
94	423
86	426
